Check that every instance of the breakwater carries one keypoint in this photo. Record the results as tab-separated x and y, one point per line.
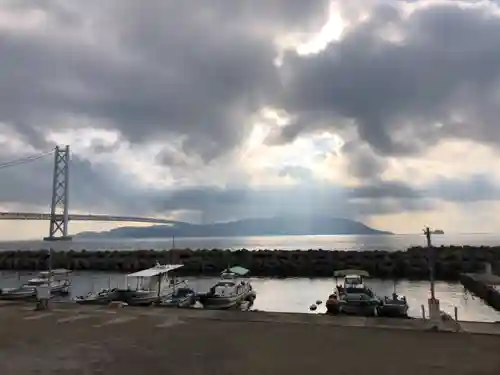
413	263
480	285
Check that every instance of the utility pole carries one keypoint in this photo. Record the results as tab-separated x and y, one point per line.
433	302
432	261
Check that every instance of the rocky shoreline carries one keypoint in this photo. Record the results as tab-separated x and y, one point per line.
413	263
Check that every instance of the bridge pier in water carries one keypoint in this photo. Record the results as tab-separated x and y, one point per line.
59	218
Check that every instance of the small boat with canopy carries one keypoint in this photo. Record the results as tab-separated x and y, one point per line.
353	296
230	291
152	285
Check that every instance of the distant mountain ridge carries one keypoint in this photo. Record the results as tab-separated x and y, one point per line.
277	226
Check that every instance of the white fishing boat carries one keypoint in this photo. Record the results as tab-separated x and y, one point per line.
151	285
58	279
230	291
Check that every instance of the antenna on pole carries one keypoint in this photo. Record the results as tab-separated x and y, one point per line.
59	216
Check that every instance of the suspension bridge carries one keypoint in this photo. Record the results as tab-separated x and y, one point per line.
59	216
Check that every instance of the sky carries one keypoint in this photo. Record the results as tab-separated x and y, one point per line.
381	111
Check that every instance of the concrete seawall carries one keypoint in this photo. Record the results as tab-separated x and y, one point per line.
451	261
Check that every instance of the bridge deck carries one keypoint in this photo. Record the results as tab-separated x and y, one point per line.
79	217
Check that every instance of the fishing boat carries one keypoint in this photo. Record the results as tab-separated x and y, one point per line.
394	306
182	297
104	297
353	297
152	285
58	280
230	291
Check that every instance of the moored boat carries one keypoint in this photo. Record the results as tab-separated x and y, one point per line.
353	297
152	285
103	297
182	297
58	280
230	291
394	306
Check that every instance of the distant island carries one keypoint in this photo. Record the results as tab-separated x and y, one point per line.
277	226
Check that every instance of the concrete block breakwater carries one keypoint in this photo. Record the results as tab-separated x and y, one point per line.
450	261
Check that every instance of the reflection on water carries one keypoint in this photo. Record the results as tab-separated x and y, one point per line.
353	242
297	294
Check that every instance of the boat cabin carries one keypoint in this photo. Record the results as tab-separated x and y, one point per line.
230	282
353	284
353	280
155	278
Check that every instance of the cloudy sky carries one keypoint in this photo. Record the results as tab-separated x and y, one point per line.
383	111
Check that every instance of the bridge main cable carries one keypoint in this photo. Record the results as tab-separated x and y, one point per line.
27	159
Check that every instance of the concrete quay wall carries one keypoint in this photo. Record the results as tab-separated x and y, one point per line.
480	285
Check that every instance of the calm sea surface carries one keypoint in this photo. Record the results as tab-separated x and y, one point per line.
367	242
297	294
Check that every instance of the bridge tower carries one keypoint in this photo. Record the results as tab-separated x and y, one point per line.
58	229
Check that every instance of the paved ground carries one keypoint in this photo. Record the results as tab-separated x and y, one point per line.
165	341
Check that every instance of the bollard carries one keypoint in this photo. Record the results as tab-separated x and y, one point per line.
456	313
422	307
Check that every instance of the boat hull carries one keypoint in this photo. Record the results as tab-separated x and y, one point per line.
181	298
362	308
97	299
18	295
142	298
181	302
223	303
394	310
29	294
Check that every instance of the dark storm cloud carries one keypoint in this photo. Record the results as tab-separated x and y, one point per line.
195	71
363	162
152	69
380	189
476	188
440	81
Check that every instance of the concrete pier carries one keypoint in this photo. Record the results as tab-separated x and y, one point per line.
92	340
483	286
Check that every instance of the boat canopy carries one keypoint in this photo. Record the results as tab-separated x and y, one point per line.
56	272
237	270
159	269
344	273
